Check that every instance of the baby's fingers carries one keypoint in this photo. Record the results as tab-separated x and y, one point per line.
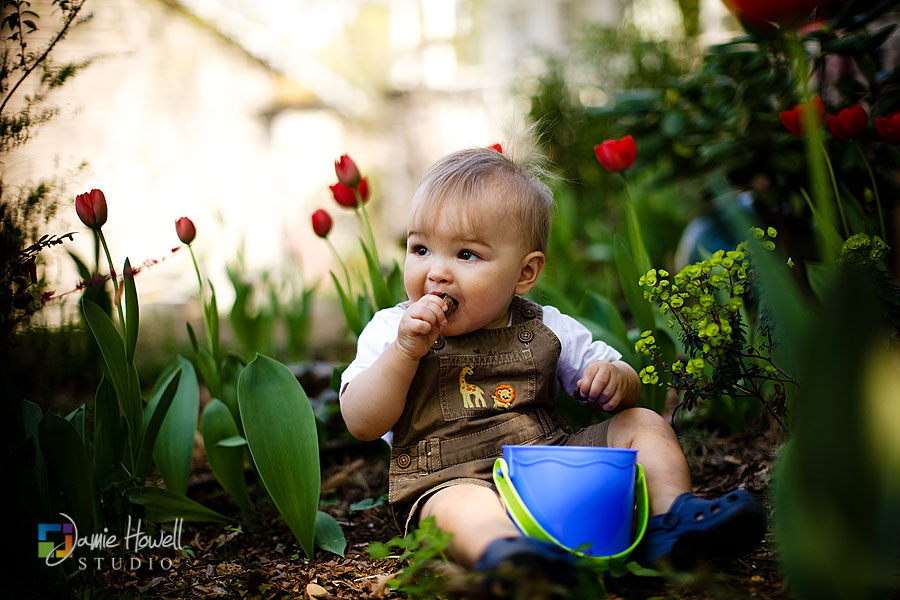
596	384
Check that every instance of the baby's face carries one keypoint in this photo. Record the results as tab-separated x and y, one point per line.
477	262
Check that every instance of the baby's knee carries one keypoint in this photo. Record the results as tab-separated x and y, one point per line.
453	504
638	421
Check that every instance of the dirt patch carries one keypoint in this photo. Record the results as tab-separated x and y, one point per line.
262	560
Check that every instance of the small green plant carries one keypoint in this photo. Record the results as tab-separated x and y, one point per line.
705	304
424	551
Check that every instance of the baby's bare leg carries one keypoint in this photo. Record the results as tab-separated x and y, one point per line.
475	517
664	464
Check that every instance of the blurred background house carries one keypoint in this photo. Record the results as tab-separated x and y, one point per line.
231	112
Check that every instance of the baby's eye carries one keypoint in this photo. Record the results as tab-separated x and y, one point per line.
419	250
467	255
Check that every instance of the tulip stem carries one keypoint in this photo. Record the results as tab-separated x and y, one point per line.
368	225
112	275
203	307
636	239
837	195
343	266
812	137
865	161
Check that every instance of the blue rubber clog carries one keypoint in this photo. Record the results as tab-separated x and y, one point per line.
529	556
695	529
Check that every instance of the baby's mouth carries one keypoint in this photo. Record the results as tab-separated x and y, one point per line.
451	303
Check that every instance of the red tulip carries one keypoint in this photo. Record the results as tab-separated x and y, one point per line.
496	147
616	155
186	231
793	119
782	12
346	171
344	195
889	128
363	189
321	222
848	123
91	208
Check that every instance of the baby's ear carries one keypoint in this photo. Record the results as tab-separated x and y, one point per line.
532	265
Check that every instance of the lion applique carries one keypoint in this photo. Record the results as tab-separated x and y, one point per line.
503	396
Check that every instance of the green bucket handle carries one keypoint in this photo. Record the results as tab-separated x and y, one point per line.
526	523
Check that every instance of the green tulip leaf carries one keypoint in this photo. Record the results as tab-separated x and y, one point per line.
120	369
629	275
231	372
131	310
380	291
212	316
600	310
831	239
76	418
175	441
351	314
31	419
819	277
396	287
281	431
234	441
227	462
108	434
329	535
206	364
83	271
155	413
193	337
164	506
69	468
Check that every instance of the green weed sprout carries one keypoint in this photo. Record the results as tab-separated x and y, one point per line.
705	303
424	551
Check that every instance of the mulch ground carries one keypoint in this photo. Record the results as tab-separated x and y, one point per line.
263	560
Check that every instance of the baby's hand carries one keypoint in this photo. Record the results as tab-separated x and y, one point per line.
604	384
421	325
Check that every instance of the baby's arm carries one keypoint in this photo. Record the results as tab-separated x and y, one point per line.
374	400
612	385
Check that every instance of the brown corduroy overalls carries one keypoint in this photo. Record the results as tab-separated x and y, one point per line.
472	394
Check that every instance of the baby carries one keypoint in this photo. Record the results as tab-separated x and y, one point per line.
468	365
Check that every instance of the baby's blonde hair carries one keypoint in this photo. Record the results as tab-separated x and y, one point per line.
474	177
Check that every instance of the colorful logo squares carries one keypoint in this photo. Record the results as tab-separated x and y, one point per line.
46	547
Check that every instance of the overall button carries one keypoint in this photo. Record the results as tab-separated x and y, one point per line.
529	313
526	335
403	461
438	343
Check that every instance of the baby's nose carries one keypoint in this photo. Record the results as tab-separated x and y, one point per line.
439	273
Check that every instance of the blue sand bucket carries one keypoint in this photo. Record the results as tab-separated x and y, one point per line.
582	498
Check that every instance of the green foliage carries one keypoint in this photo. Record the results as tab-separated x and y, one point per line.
259	308
423	551
380	289
175	443
705	304
261	406
837	491
281	433
329	536
22	212
226	460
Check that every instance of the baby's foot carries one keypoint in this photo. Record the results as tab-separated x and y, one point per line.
694	529
517	563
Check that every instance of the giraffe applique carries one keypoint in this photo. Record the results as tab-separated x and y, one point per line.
472	394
